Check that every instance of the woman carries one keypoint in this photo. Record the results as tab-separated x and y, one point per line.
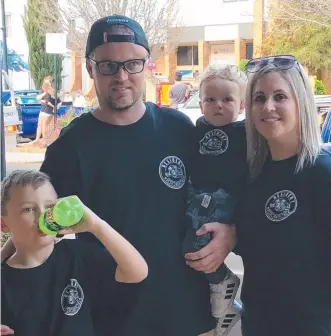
46	115
284	220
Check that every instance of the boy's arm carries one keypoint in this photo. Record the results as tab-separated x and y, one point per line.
7	250
131	266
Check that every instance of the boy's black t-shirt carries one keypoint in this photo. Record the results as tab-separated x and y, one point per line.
219	157
135	178
57	298
284	227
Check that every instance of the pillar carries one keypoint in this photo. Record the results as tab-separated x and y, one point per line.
258	31
239	50
76	73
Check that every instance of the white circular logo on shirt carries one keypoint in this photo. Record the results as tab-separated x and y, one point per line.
214	142
172	172
72	298
281	205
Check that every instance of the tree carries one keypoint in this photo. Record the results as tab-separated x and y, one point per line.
317	12
242	64
309	41
156	17
40	63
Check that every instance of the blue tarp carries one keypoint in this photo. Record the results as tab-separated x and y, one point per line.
326	130
5	95
15	62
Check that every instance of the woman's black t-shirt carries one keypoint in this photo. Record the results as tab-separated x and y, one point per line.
45	107
284	228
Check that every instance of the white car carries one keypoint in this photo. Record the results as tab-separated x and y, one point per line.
12	122
192	109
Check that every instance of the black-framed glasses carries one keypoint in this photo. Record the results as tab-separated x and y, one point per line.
282	62
110	68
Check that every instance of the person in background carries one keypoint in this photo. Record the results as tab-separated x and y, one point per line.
79	102
67	98
179	92
46	115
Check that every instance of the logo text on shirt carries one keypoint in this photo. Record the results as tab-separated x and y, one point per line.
72	298
214	142
172	172
281	205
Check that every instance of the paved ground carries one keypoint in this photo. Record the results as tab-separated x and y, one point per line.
233	261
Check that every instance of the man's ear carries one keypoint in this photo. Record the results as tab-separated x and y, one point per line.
89	68
4	227
242	106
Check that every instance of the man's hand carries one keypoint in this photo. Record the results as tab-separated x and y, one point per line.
4	330
209	258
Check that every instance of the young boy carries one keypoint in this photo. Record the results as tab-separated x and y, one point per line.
53	289
218	177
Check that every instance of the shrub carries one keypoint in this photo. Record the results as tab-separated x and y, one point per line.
319	88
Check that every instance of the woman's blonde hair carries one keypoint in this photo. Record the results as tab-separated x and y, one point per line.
49	89
227	72
310	138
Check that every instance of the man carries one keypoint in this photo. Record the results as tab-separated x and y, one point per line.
179	92
129	162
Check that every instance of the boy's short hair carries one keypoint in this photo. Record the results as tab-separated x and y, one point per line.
20	178
228	72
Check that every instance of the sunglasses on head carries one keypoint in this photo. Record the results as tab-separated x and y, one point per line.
282	62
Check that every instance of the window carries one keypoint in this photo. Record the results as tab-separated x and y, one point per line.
249	51
8	25
187	55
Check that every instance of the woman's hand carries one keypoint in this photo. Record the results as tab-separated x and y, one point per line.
209	258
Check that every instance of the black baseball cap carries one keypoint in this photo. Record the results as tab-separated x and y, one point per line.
101	33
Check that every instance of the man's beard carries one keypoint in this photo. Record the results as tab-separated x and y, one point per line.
118	107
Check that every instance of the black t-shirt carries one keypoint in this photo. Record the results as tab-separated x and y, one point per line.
284	228
49	99
58	297
135	178
219	157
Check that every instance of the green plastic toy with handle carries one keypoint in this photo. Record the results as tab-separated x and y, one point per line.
68	211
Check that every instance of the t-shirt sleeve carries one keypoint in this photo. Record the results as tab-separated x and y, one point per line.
61	165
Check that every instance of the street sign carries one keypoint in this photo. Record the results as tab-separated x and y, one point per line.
56	43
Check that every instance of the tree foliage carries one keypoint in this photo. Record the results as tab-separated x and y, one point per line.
309	41
156	17
41	64
317	12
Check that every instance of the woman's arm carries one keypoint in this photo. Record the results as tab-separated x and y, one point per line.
322	192
41	95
